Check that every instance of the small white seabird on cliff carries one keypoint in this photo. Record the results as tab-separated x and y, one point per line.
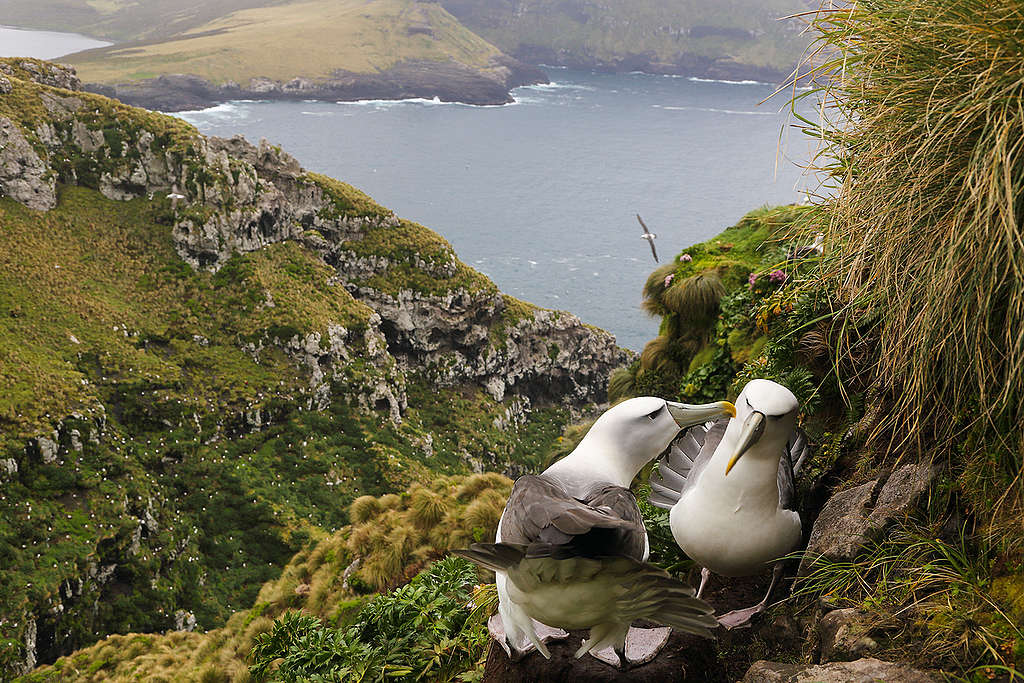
730	488
649	236
571	547
815	248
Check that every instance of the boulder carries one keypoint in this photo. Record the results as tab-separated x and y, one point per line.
861	671
853	517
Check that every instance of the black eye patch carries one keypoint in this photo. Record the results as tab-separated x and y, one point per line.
654	414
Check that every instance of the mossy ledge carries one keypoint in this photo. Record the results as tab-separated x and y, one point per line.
197	385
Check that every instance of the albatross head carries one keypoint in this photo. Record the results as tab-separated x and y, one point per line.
631	434
765	414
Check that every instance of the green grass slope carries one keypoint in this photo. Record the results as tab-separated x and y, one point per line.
322	610
119	20
170	435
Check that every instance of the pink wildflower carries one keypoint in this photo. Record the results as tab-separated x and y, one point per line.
669	278
777	277
686	258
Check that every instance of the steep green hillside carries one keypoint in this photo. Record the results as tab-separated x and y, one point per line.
715	38
195	387
309	38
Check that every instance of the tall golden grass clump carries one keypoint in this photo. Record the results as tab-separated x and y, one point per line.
924	132
696	298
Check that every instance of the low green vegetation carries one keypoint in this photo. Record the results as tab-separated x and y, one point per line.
424	630
320	617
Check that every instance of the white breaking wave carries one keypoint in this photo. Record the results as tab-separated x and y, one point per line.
421	101
554	85
737	112
224	110
697	79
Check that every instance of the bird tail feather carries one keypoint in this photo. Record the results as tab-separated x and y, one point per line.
498	557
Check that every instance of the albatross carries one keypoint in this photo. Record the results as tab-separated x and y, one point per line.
649	236
730	488
571	546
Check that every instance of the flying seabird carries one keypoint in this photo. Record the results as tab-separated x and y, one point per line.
816	248
730	488
649	236
571	546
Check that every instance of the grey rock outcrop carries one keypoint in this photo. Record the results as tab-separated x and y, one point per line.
24	176
860	671
43	73
852	517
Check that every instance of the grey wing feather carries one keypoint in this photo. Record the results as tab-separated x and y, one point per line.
687	456
789	466
539	511
632	541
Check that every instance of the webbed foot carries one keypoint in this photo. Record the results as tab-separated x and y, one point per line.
545	634
642	646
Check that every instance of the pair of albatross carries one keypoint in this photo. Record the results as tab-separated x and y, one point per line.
571	547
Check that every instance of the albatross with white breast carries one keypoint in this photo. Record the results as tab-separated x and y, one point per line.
730	488
571	546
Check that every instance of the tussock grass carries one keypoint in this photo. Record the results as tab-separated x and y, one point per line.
924	133
364	508
426	508
620	385
696	298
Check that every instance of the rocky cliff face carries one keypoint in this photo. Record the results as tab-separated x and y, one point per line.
269	344
237	198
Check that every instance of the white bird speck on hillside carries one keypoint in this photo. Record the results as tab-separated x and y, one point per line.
571	546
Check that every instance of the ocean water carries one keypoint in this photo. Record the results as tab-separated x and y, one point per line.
541	195
16	42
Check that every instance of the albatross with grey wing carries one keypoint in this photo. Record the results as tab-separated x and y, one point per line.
571	547
730	488
649	236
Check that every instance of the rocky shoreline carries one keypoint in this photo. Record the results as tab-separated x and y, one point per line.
445	81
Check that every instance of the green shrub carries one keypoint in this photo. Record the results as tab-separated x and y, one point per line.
422	631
